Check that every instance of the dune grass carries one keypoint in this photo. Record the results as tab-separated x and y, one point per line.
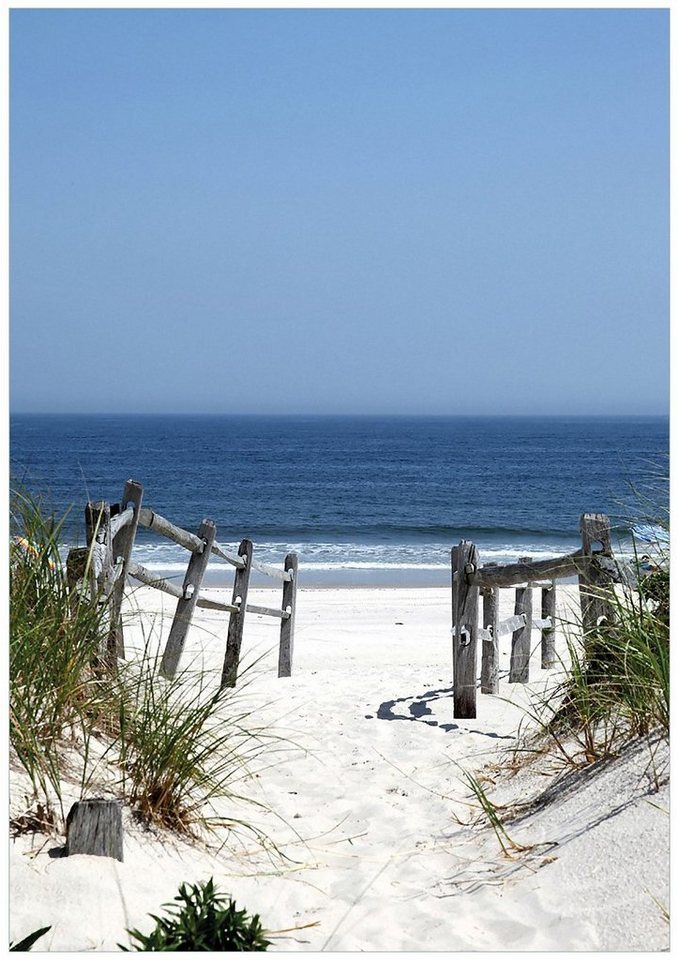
617	687
493	816
183	744
168	748
55	691
616	676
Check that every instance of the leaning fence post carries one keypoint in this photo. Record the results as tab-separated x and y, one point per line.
289	604
100	558
548	634
465	613
122	550
596	609
98	525
76	567
186	604
489	665
236	622
519	670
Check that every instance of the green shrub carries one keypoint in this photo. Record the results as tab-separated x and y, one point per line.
23	945
206	920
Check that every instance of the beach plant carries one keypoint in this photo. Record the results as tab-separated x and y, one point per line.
618	683
664	911
183	745
55	688
491	811
170	747
23	945
204	920
616	676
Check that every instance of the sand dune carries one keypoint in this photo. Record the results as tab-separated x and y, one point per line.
378	848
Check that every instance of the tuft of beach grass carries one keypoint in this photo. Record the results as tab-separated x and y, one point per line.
169	749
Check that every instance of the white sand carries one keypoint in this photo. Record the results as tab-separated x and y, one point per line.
363	806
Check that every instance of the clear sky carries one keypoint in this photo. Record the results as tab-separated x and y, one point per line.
339	211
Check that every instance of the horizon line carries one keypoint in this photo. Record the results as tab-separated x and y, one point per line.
318	416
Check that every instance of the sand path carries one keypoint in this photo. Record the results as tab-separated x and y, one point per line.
365	803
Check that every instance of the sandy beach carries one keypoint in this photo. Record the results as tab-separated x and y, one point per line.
379	844
330	319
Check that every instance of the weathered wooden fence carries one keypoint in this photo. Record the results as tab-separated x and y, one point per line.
106	562
593	564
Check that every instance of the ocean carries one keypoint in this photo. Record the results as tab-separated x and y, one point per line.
361	500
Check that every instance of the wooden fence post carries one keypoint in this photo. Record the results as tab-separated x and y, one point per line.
519	671
186	604
596	609
94	827
123	542
289	601
236	622
100	557
489	665
465	611
454	568
548	634
98	526
76	566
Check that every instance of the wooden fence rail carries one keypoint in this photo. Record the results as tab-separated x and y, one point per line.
153	521
107	562
593	564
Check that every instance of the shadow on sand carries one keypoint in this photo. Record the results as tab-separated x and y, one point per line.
417	708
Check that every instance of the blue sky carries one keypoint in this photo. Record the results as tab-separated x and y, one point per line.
339	211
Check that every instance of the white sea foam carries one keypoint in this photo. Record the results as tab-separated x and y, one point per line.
169	558
322	560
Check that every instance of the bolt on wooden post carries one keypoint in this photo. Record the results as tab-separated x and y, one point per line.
465	612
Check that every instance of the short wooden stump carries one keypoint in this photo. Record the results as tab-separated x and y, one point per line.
94	827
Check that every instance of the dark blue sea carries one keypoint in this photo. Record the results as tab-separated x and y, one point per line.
362	500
